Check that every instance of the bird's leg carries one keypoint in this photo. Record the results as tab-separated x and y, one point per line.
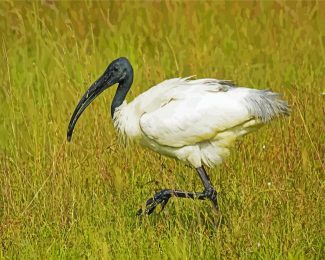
209	191
163	196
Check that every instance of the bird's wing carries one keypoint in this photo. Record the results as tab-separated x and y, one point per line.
198	110
195	116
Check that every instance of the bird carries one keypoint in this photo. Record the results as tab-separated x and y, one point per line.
193	120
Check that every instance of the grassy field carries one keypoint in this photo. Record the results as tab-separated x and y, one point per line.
79	199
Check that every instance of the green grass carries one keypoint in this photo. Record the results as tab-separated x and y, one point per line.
78	199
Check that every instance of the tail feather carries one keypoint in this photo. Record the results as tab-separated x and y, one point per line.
265	105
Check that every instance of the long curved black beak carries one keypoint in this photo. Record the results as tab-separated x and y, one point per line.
98	87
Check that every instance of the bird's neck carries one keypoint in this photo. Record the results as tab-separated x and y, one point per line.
121	92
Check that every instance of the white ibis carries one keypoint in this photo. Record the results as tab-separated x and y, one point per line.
195	121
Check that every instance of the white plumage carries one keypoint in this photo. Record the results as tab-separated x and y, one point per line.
196	121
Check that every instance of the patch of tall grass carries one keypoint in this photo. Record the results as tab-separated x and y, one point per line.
79	199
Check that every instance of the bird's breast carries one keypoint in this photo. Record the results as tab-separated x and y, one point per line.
126	121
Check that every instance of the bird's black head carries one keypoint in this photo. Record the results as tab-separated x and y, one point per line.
119	71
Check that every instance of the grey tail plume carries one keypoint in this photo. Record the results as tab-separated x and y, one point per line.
265	105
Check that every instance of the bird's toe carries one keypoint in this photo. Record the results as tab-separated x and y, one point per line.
160	198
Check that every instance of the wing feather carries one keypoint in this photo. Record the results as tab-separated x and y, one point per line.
196	118
186	112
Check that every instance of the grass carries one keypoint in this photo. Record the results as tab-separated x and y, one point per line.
73	200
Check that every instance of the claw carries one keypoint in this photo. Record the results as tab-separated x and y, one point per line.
150	210
149	201
160	197
163	204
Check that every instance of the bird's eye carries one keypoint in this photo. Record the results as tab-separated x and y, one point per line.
115	68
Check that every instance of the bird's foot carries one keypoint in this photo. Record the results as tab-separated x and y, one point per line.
212	194
160	198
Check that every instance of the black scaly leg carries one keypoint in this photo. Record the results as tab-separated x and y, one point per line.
209	191
162	197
